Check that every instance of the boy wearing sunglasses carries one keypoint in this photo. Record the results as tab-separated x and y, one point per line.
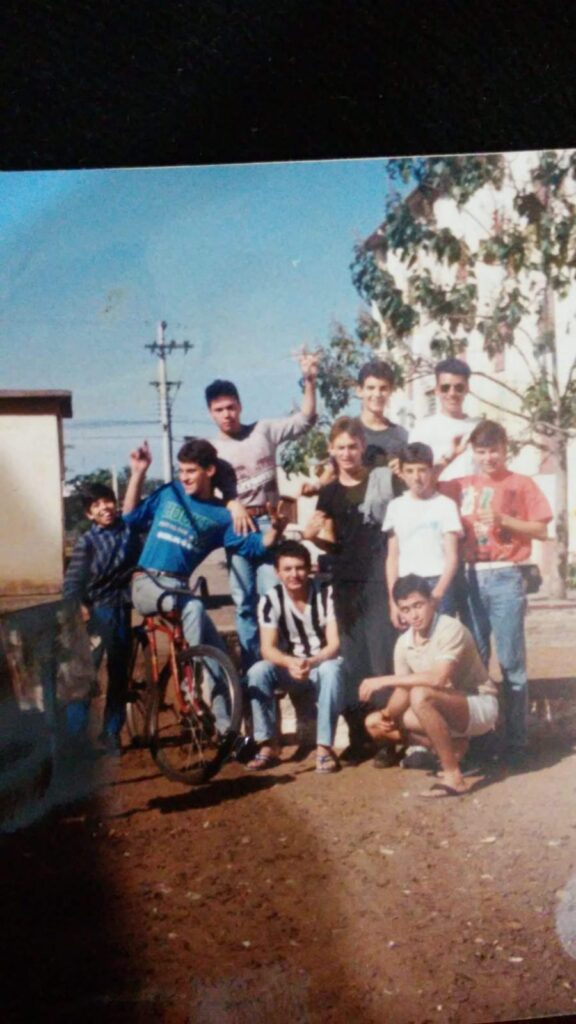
448	431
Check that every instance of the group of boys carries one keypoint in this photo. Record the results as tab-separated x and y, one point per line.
419	528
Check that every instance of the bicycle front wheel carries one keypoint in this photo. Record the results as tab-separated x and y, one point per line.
195	718
139	686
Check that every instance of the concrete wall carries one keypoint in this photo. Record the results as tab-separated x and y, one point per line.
31	526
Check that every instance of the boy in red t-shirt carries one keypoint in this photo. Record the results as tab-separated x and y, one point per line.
501	512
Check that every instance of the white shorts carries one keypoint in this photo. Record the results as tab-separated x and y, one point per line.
483	709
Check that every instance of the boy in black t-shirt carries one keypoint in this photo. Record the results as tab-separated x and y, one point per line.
348	524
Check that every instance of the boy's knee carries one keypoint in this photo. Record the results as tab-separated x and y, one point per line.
420	695
261	676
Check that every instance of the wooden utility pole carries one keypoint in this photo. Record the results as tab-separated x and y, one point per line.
161	348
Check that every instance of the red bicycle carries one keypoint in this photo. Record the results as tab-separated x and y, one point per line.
184	702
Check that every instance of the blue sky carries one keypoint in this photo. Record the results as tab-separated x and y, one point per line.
247	262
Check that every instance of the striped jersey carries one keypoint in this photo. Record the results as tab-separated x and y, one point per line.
300	634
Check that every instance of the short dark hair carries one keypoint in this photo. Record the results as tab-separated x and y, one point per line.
196	450
292	549
417	451
376	368
95	492
455	366
347	425
410	584
488	434
220	389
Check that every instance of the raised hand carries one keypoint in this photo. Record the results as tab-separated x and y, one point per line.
140	458
308	362
278	517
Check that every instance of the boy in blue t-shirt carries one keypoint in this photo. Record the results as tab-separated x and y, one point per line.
185	523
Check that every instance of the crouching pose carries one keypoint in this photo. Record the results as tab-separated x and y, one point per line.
441	692
299	642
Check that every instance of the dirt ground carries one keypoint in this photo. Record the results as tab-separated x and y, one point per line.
289	896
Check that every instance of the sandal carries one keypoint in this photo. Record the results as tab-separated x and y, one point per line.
260	762
327	764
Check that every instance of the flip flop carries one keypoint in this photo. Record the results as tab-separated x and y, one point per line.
327	764
440	791
260	762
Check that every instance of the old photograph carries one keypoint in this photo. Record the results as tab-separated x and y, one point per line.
288	590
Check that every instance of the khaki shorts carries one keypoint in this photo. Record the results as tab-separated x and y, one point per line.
483	709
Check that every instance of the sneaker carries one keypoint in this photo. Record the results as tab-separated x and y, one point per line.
386	757
420	757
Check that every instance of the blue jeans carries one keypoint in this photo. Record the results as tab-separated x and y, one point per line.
495	604
197	626
249	580
326	681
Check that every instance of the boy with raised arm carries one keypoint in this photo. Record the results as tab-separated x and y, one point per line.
185	523
251	451
441	692
502	513
299	643
97	579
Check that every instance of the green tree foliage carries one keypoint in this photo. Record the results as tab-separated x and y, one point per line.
532	242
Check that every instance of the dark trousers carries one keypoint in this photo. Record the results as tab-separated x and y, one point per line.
367	636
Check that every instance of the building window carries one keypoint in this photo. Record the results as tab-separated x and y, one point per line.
431	402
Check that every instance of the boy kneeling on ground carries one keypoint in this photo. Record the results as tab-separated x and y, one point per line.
299	642
442	694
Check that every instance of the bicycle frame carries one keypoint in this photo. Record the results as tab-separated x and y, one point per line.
169	625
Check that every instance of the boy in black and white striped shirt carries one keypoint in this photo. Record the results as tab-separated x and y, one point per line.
299	643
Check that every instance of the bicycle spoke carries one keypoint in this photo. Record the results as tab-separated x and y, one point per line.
193	718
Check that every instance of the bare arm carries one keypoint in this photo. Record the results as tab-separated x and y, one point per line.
328	474
271	652
140	460
391	577
524	527
450	545
438	676
331	647
320	523
309	367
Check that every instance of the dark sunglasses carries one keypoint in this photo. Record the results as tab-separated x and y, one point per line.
458	388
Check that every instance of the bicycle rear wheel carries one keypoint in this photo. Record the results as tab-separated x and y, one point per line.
195	718
139	687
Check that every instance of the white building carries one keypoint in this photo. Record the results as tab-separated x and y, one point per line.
511	371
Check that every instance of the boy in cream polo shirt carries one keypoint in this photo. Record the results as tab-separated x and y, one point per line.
442	694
